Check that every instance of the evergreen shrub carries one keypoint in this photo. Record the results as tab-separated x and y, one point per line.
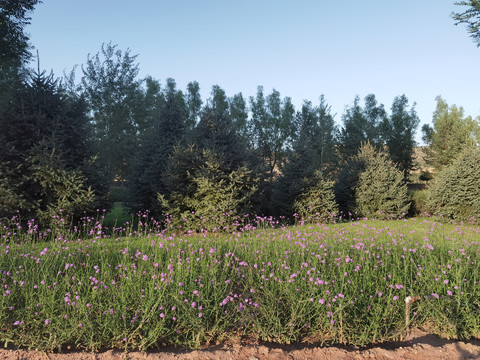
317	199
455	193
372	185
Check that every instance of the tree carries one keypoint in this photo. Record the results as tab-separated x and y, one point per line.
313	149
114	97
239	115
371	185
44	152
272	122
451	131
470	17
169	128
361	125
399	132
317	199
215	196
209	173
455	193
194	103
14	46
381	190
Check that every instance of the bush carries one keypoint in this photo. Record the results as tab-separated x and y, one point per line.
455	193
381	190
371	185
425	175
317	199
419	201
213	195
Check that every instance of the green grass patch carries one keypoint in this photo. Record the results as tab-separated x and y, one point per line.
118	216
338	283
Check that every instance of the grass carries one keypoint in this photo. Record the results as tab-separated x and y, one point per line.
338	283
117	216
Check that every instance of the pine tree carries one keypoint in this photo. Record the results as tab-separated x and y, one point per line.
209	173
381	190
313	149
317	199
43	151
371	185
455	193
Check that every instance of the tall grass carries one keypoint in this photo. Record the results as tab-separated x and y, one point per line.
151	286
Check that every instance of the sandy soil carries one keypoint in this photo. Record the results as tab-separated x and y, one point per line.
419	345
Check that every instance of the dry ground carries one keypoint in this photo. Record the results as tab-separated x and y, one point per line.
418	345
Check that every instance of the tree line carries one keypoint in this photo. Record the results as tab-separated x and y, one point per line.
64	143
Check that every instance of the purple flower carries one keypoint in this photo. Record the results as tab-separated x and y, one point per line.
47	321
435	295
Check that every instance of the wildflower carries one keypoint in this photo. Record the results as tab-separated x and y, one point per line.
47	321
435	295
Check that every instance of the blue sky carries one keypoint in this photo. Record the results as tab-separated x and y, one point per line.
302	48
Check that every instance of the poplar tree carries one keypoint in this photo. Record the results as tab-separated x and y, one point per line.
399	133
451	132
113	94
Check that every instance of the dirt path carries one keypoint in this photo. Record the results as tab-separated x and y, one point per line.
419	345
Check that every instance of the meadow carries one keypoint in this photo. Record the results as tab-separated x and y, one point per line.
135	288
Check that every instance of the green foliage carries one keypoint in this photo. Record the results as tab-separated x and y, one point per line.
451	131
344	188
14	47
212	193
117	216
419	201
61	191
455	193
272	124
399	132
371	185
381	190
169	127
470	17
45	156
361	125
116	105
313	149
317	199
342	284
425	175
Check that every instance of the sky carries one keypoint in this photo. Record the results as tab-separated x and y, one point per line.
301	48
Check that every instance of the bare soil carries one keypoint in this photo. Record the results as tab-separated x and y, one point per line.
418	345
